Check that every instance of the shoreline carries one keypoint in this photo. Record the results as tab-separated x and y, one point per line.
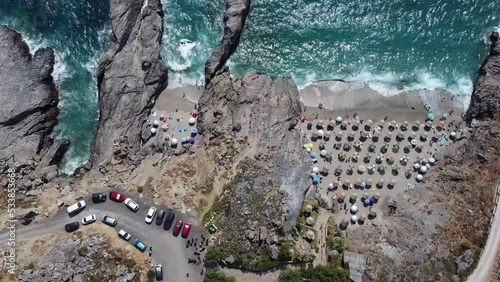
344	98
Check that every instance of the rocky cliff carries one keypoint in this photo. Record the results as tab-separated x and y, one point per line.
131	75
485	103
235	16
439	228
29	100
256	116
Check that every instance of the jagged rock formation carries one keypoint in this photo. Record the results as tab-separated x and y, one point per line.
77	260
448	216
131	75
271	170
29	100
485	103
235	16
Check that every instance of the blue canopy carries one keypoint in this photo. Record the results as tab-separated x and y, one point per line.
194	130
363	184
316	179
430	116
372	200
445	116
313	155
191	141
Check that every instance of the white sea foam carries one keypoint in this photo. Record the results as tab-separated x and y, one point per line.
390	84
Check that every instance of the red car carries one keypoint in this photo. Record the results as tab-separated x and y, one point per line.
177	227
117	197
186	229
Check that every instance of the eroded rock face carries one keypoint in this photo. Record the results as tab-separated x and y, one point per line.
131	75
235	16
29	100
485	102
271	180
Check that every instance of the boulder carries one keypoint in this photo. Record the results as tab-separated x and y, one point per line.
324	201
273	252
464	261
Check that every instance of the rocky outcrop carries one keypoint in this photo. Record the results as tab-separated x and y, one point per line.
234	21
258	115
131	75
29	99
78	260
485	103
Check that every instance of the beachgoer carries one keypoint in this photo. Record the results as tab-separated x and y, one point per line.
316	116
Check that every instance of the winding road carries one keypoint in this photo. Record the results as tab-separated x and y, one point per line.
168	250
491	249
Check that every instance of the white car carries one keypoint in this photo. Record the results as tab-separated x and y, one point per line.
124	235
131	204
88	219
150	215
78	206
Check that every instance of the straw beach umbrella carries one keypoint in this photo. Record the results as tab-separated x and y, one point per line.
344	222
361	169
369	182
320	124
373	213
358	182
376	195
342	195
344	124
308	208
362	217
381	182
353	197
347	183
331	125
366	195
310	235
310	220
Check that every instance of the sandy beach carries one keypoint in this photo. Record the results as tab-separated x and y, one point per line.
360	144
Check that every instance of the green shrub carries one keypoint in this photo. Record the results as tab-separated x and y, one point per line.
335	243
285	253
214	254
129	263
150	275
216	275
83	251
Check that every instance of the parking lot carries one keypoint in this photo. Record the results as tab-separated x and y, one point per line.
168	250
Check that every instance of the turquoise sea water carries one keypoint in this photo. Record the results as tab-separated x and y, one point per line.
394	44
78	32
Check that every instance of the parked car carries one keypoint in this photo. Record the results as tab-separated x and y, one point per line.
178	227
109	221
169	220
150	215
99	198
159	272
73	226
76	207
89	219
140	245
159	217
186	229
133	206
124	235
117	197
